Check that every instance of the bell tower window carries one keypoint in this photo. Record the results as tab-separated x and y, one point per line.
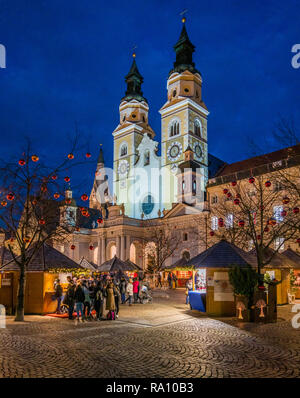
123	151
174	128
197	127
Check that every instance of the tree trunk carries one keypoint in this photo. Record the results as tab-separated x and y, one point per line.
21	296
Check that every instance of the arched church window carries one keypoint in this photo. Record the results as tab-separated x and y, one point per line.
186	255
123	151
174	93
197	127
194	186
146	158
174	128
183	185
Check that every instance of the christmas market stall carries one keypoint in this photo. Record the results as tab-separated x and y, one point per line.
45	267
294	273
280	268
212	292
117	266
181	270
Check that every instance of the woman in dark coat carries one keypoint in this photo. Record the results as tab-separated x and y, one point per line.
110	299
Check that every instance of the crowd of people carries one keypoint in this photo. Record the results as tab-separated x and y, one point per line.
91	297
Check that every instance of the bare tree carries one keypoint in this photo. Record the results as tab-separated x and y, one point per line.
258	211
33	209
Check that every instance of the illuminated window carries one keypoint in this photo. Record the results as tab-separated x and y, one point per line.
214	223
229	221
279	244
277	212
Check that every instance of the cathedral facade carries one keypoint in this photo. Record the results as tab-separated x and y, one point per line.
174	192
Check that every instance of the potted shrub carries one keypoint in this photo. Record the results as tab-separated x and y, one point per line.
244	282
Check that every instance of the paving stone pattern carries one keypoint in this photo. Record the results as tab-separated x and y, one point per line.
163	339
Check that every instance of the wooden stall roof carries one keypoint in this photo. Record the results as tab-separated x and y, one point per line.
292	255
45	258
278	260
88	264
222	255
181	263
116	264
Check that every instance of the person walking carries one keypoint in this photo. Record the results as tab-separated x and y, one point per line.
87	301
159	284
117	299
170	280
110	301
98	303
189	287
69	297
135	290
123	289
79	298
129	291
58	295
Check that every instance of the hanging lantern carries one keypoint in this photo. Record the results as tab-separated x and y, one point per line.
70	156
91	247
100	220
10	196
68	201
238	196
211	233
26	240
73	247
251	180
77	229
296	210
84	197
220	222
225	191
12	239
3	203
233	183
54	177
266	229
34	158
241	223
67	179
88	155
236	201
268	184
283	213
22	162
43	188
85	212
285	200
34	202
258	237
229	195
42	221
56	195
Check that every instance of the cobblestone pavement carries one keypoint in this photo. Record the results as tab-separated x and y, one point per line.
163	339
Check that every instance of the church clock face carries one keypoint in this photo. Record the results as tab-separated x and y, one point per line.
174	151
123	168
198	150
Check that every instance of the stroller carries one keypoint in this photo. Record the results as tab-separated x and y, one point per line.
145	293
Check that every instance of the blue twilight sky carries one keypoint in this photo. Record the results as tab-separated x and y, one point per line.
66	62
